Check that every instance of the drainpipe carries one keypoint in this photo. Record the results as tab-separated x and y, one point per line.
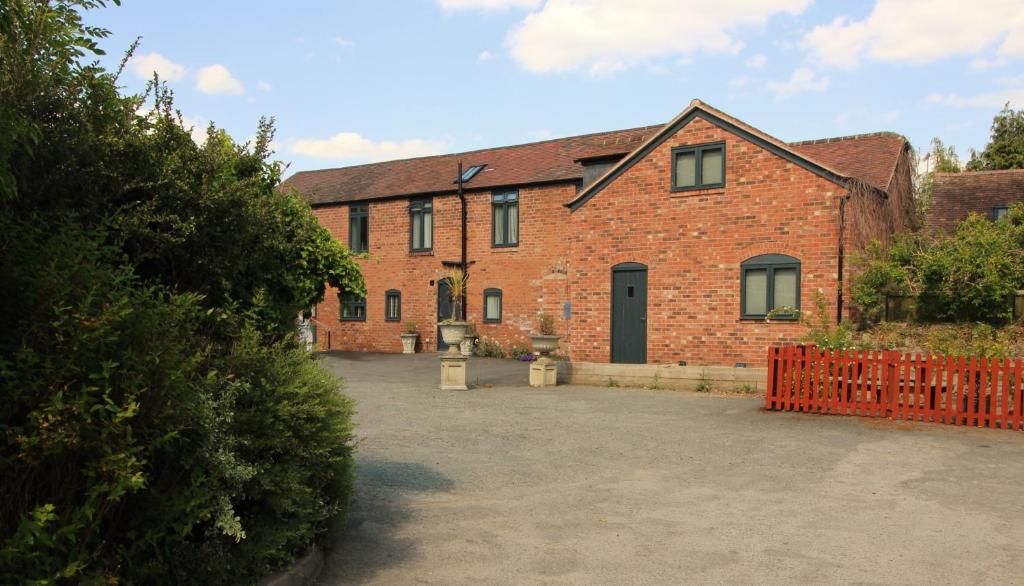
465	264
840	256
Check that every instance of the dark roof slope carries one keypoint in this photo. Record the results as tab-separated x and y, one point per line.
538	162
956	195
870	157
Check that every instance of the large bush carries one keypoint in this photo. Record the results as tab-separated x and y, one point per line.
968	276
159	422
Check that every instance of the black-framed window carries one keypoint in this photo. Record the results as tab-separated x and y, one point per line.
492	305
1000	212
353	308
392	305
421	225
698	167
767	283
505	218
359	227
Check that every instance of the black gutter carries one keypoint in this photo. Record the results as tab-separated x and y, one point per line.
465	265
840	257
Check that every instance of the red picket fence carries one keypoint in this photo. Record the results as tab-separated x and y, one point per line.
941	389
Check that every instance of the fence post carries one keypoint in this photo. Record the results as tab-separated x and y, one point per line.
892	382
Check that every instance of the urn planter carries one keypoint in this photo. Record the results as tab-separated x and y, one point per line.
409	343
453	333
545	344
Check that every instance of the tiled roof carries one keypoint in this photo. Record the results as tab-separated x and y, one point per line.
956	195
538	162
870	157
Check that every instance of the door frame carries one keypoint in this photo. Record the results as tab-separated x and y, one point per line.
626	267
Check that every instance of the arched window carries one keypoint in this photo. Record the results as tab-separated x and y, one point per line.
770	282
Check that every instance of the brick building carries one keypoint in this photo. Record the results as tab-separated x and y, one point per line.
655	244
957	195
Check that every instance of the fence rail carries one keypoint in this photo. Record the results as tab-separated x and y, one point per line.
954	390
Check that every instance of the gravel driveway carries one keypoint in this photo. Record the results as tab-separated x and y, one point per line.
510	485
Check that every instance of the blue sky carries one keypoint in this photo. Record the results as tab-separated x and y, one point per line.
357	81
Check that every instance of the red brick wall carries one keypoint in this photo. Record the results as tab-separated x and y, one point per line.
693	243
532	276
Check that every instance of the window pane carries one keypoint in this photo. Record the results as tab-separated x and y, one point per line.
428	229
417	230
353	233
756	292
499	224
785	288
513	223
711	166
492	308
364	233
686	169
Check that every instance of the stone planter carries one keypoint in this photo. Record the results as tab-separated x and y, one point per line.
466	346
545	344
453	333
409	343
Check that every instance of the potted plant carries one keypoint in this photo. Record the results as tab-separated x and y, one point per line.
466	346
545	340
409	336
453	329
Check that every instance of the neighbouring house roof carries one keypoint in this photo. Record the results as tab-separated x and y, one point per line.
871	158
956	195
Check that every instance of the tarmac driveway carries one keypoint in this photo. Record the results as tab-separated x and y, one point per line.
578	485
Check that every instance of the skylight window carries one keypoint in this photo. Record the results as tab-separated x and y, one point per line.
471	173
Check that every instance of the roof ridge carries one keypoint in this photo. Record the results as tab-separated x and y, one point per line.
979	172
470	152
846	137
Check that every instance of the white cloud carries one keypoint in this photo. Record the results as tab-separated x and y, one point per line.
756	61
991	100
146	64
264	86
216	79
921	31
486	5
982	64
802	80
342	42
196	127
484	56
604	36
351	146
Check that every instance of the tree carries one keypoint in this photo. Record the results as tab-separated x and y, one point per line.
1005	148
940	159
159	422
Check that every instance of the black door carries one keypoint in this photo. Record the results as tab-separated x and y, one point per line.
629	313
444	309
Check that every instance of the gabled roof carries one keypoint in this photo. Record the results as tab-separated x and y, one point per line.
539	162
833	159
956	195
871	158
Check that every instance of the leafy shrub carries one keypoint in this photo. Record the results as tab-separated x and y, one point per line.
969	276
409	327
822	332
159	422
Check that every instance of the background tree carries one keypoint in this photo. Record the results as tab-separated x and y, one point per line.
1005	148
939	159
